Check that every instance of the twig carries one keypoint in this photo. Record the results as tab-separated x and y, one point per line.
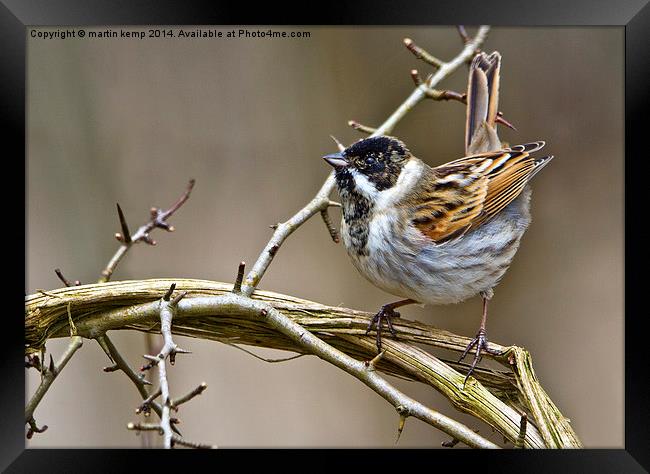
120	364
190	444
361	127
145	406
33	428
422	54
158	220
443	72
187	397
49	374
330	227
436	94
167	307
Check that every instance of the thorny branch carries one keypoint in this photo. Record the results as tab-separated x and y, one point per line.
138	379
210	311
158	220
167	307
48	375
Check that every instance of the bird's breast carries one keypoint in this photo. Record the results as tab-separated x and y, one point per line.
397	258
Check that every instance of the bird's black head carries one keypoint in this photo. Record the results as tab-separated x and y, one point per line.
379	159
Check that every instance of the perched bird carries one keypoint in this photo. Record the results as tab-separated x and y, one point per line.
438	235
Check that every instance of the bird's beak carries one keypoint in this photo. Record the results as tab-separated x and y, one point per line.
337	160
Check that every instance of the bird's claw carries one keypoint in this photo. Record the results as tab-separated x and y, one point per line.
386	313
481	343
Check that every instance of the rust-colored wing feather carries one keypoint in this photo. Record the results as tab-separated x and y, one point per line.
465	193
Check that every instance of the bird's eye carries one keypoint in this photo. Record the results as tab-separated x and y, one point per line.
369	160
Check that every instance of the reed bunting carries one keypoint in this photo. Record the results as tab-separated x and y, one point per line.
444	234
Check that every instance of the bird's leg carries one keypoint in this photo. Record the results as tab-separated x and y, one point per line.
387	312
480	341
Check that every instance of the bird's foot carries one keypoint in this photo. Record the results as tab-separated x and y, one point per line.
481	343
386	313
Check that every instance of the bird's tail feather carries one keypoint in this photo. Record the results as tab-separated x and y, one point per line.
483	104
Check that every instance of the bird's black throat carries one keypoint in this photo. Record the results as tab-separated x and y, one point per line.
356	211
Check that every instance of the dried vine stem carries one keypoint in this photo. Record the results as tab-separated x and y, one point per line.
321	201
262	313
210	312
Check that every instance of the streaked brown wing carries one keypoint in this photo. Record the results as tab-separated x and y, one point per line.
451	199
467	192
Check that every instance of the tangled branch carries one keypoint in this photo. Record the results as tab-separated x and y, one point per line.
158	220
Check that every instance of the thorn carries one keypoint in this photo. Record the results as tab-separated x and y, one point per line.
400	428
143	380
61	277
169	292
126	235
51	367
371	364
178	298
111	368
463	34
236	288
340	146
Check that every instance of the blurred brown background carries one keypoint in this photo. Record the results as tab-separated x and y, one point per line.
130	121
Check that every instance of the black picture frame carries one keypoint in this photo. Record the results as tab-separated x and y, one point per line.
632	15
